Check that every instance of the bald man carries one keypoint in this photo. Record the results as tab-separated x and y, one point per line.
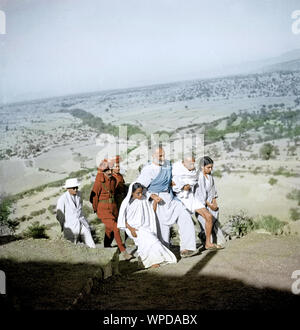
157	177
184	181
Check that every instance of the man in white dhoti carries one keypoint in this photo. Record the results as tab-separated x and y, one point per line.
184	182
157	177
69	214
208	216
137	218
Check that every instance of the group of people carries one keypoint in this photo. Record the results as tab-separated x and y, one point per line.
162	195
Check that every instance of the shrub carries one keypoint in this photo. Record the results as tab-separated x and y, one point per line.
217	174
268	151
131	149
294	214
271	224
87	210
238	225
295	195
38	212
86	191
272	181
256	170
78	174
282	171
6	224
231	119
36	231
292	151
98	124
51	209
5	209
95	221
24	218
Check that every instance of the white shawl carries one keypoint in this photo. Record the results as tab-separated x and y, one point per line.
182	176
138	213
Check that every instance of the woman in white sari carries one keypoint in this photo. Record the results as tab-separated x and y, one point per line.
137	218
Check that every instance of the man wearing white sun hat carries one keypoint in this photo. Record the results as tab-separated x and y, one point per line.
69	214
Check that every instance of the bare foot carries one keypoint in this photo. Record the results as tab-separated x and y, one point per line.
155	266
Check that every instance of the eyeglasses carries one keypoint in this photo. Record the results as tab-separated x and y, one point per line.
74	188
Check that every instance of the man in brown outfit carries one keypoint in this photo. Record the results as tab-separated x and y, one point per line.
121	188
103	199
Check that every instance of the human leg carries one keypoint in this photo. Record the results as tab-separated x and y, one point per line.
220	238
108	240
117	236
209	222
208	225
186	229
108	232
72	234
111	226
87	237
164	236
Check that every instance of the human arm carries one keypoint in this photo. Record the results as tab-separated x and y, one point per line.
212	196
213	205
131	229
82	218
156	198
60	212
95	193
145	178
121	189
177	184
186	187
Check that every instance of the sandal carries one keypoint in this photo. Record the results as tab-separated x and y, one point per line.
215	247
188	253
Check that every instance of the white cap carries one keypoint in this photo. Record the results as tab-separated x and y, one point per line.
71	183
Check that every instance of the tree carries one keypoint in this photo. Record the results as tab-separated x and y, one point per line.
268	151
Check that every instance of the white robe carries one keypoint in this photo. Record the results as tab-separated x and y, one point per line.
140	215
74	224
181	176
206	191
169	212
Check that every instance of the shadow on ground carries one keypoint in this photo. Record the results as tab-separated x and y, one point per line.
193	291
9	238
41	285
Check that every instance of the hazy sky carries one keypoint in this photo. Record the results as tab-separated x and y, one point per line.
57	47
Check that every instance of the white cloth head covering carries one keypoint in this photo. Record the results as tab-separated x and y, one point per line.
71	183
122	215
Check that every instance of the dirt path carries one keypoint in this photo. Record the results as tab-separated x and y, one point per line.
251	273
